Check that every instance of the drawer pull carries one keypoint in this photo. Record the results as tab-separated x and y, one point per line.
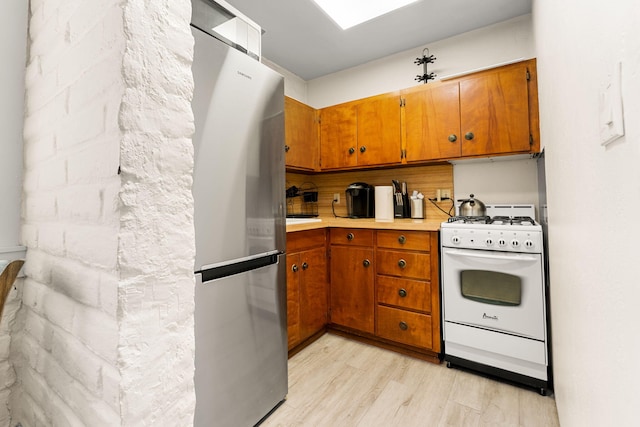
352	150
305	265
403	326
402	239
366	263
402	263
294	268
350	236
402	293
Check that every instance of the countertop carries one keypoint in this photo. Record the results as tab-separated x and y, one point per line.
371	223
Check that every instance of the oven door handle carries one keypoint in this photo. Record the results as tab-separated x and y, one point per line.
484	254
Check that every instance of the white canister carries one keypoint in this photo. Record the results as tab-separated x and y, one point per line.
384	203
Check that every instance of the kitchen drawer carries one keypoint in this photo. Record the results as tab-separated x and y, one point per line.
351	236
404	293
403	264
404	326
412	240
299	240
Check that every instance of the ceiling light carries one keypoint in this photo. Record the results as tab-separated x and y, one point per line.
349	13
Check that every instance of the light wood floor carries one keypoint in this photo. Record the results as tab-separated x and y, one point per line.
339	382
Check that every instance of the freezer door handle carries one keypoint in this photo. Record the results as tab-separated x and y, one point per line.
229	269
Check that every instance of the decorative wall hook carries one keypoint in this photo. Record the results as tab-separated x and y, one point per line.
426	76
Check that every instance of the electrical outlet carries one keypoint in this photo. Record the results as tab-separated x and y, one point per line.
445	193
336	197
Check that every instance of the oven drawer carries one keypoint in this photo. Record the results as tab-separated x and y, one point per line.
404	293
403	264
351	236
494	342
411	240
404	326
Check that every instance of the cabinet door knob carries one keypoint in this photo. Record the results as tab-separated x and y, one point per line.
305	265
363	149
402	293
286	148
402	239
350	236
402	263
294	268
403	326
352	150
366	263
469	136
453	137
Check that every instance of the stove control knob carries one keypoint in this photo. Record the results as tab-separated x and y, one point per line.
455	240
515	243
502	243
489	241
528	244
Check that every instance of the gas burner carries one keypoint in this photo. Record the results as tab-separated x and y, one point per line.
470	219
516	220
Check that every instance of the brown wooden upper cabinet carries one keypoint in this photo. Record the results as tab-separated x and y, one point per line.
361	133
301	136
485	113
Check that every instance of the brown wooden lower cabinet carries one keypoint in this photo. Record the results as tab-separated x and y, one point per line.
306	285
352	294
382	285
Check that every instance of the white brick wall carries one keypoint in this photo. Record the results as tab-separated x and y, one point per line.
105	332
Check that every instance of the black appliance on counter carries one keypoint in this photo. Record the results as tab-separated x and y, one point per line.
360	200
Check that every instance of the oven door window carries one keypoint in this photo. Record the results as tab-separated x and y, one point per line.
491	287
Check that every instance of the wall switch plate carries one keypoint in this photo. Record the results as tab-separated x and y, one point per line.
336	197
611	119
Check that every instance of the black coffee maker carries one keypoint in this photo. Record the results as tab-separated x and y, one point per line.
360	201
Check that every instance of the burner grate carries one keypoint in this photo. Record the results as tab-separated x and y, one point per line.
470	219
516	220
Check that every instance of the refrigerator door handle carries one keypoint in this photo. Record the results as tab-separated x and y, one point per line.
217	271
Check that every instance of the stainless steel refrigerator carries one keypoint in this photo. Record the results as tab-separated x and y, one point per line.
238	189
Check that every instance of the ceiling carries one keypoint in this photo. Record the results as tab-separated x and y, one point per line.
301	38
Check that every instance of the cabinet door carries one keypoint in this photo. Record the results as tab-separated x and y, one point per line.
313	292
352	293
494	111
379	138
301	135
293	300
338	136
432	122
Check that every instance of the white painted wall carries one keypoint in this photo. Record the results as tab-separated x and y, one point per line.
105	335
593	197
13	45
484	47
509	179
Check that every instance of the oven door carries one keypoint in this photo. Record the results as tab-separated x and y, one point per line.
500	291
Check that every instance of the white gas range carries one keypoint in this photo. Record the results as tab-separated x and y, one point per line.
494	296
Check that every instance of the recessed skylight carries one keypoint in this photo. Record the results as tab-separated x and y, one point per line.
349	13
